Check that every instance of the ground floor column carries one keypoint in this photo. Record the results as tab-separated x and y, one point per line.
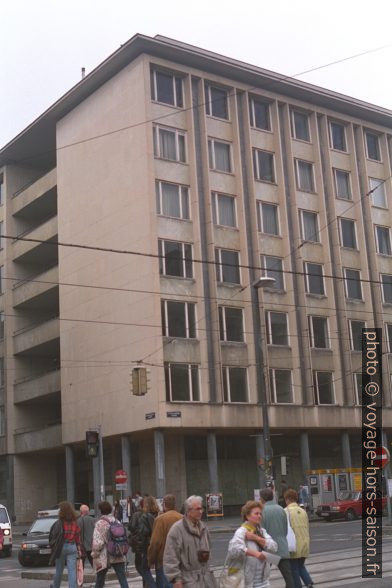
126	462
212	461
160	480
70	473
346	450
96	483
260	460
305	454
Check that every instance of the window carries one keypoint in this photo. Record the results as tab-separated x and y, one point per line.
259	114
352	280
172	200
314	280
178	319
342	184
2	421
309	226
1	234
358	388
383	240
166	88
169	144
323	387
281	386
347	233
1	191
176	259
263	163
219	155
2	378
227	266
268	218
377	194
386	285
231	325
388	330
235	384
223	210
300	125
356	334
1	279
372	146
182	382
1	325
305	179
273	268
318	332
337	134
277	328
216	102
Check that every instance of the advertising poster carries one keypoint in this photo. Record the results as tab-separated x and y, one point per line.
214	505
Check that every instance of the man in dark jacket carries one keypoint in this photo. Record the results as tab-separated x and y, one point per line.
86	525
275	523
161	528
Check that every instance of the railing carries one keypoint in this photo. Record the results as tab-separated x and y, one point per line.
27	231
32	276
24	430
31	182
34	325
36	376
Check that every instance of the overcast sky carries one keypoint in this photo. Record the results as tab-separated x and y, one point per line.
45	43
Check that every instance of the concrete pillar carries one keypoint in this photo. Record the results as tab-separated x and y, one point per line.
96	483
260	457
212	461
70	473
126	462
346	451
159	446
305	454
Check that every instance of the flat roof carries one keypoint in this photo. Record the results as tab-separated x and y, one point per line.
36	144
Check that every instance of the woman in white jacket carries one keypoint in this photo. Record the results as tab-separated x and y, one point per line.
247	549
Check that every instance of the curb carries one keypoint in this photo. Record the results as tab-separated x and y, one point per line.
89	577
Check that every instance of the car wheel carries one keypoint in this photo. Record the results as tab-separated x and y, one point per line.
351	515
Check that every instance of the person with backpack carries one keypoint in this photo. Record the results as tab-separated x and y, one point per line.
110	546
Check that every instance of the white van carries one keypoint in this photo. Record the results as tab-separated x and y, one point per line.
5	524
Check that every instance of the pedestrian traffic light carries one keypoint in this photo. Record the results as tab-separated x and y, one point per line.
92	443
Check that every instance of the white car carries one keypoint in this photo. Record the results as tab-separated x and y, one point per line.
5	525
53	511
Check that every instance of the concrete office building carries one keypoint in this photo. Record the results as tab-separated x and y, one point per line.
201	173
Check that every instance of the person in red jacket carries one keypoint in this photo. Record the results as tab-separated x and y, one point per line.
1	539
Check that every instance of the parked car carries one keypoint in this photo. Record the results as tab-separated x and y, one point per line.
5	525
53	511
350	505
35	549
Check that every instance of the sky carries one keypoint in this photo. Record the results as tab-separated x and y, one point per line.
45	43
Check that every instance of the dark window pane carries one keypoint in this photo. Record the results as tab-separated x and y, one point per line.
373	147
283	387
238	385
188	261
178	82
273	268
320	332
387	288
260	115
165	89
356	335
195	383
265	166
343	188
173	257
301	126
176	319
234	327
277	325
191	321
180	382
217	103
324	384
230	267
338	139
221	324
353	284
347	228
315	278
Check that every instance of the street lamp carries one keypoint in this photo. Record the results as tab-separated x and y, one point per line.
262	282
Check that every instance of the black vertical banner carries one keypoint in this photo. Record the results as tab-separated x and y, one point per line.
371	441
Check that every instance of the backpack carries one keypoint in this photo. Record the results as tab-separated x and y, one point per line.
117	545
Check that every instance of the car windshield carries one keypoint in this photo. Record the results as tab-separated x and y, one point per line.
42	525
3	516
348	496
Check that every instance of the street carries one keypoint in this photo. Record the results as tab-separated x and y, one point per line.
335	560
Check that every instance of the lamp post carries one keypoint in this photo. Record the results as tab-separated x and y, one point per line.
262	282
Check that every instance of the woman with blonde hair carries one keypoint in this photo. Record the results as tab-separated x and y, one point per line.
246	554
64	539
142	536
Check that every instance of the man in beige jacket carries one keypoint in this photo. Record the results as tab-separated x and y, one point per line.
161	528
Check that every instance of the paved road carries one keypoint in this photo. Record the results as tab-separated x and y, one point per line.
334	561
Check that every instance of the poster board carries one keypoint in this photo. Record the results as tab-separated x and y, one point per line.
214	505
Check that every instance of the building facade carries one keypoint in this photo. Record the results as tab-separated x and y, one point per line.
136	214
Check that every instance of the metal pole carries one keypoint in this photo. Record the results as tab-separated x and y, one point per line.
101	469
70	473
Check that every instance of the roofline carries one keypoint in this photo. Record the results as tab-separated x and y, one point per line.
24	145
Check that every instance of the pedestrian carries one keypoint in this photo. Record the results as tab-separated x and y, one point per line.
246	553
303	497
161	528
86	525
103	560
141	531
283	488
138	500
118	511
64	540
275	523
300	524
187	550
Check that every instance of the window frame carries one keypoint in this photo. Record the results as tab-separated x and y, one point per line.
354	224
215	209
294	112
212	157
367	134
356	390
168	379
312	331
159	197
162	259
337	170
388	336
269	331
302	224
157	144
209	101
260	219
297	168
380	183
272	380
382	287
376	236
219	265
3	419
256	165
154	86
343	126
252	115
226	378
265	271
350	328
222	320
165	319
316	388
307	274
345	269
